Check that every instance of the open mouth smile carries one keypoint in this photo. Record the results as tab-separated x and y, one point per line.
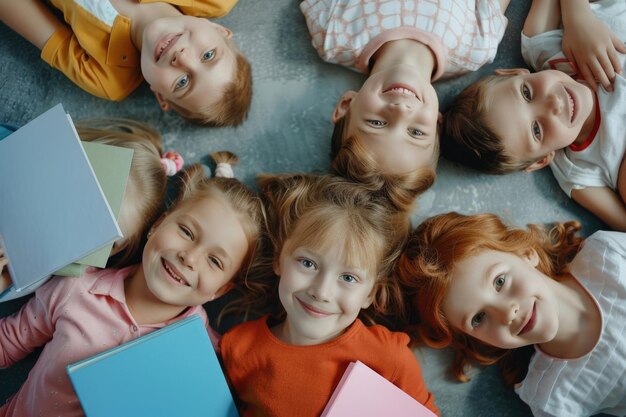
572	105
529	322
401	89
174	274
165	45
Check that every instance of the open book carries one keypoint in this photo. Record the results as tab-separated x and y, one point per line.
365	393
172	371
53	209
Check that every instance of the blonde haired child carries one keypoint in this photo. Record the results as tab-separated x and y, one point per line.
518	121
109	47
333	247
490	291
195	252
145	192
386	134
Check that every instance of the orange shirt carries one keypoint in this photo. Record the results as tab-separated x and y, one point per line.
282	380
95	49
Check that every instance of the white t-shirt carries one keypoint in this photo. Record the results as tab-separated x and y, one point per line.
596	382
462	34
597	162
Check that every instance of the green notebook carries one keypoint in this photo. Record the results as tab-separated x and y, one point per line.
111	164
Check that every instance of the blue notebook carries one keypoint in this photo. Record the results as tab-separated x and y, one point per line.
53	210
171	372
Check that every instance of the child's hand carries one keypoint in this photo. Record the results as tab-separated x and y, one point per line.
5	279
593	48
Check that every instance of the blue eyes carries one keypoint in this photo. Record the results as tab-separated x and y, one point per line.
376	123
415	133
498	283
535	127
307	263
526	92
536	131
208	55
350	279
182	82
477	319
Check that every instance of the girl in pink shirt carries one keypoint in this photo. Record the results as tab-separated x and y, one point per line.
194	253
148	173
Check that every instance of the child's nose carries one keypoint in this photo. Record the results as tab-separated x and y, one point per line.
180	58
509	313
555	103
320	289
188	258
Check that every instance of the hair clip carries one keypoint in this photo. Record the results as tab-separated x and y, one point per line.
172	162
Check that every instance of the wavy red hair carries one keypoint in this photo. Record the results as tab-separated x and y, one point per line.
425	272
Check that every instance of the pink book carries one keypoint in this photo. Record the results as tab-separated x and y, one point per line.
365	393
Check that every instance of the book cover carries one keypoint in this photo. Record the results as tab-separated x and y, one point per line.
53	209
365	393
170	372
111	164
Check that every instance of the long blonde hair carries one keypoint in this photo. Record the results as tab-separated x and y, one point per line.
146	173
318	211
425	271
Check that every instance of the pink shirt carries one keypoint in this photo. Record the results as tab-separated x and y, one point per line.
462	34
74	317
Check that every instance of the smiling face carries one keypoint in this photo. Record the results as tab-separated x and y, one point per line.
395	116
551	111
502	300
187	60
194	252
322	296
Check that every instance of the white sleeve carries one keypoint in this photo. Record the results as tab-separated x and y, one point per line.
539	50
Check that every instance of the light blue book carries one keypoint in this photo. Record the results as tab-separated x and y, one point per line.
171	372
52	209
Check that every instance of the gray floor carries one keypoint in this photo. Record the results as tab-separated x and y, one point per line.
288	130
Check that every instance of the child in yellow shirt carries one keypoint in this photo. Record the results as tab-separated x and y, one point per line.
109	47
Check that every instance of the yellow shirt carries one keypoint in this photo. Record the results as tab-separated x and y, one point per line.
95	50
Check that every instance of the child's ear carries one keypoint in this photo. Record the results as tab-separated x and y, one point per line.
276	266
511	71
370	298
224	31
163	103
532	257
343	105
439	119
540	163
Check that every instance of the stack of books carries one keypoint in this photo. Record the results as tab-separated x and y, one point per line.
60	200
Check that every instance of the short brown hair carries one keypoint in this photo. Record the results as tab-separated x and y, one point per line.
233	108
352	161
467	136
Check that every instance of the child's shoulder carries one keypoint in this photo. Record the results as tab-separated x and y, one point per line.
247	332
382	336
